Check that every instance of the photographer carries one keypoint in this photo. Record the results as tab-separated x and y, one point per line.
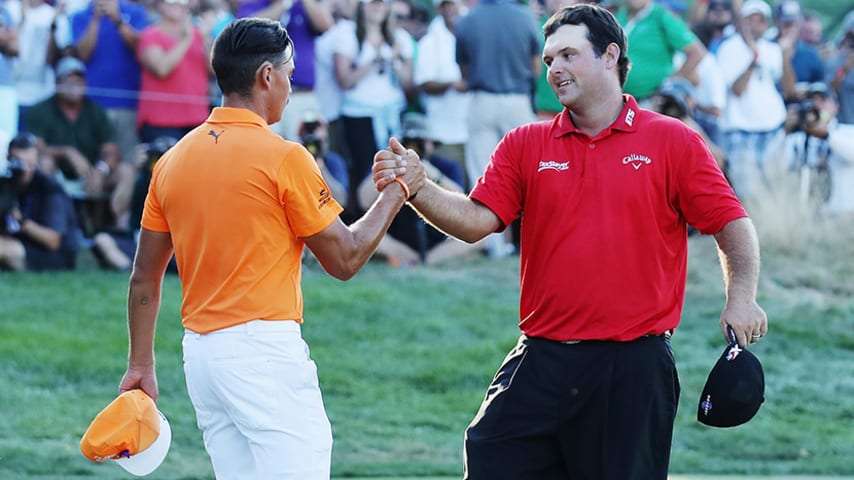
674	98
836	141
116	248
410	240
314	136
39	231
820	148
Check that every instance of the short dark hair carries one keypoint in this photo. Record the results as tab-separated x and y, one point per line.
242	47
602	30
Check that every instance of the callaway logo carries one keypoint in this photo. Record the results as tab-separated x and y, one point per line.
637	160
552	165
215	135
733	352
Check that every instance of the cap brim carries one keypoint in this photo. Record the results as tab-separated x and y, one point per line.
149	459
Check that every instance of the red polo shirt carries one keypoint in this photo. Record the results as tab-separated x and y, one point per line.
604	221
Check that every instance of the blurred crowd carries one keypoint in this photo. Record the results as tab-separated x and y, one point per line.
93	92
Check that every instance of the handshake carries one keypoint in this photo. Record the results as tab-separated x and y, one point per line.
397	164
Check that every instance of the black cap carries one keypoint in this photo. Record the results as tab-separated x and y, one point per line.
735	388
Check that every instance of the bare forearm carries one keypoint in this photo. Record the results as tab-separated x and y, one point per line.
161	63
738	249
86	45
343	250
454	213
45	236
319	15
143	306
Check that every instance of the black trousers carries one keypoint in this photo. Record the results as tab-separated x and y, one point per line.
582	411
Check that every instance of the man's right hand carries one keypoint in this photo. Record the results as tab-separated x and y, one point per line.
142	377
397	161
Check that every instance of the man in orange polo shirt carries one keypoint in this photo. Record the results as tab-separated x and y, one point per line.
237	203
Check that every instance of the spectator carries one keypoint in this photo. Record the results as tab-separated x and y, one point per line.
175	68
41	229
8	52
410	240
403	17
498	49
842	71
77	138
806	63
314	136
812	33
115	248
717	24
591	388
443	92
675	98
373	63
655	36
105	34
754	114
305	21
327	91
34	78
820	150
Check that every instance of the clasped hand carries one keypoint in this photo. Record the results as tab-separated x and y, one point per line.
396	161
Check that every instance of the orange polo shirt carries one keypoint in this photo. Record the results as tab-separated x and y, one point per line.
237	199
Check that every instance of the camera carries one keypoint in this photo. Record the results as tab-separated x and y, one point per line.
808	114
9	186
311	142
155	149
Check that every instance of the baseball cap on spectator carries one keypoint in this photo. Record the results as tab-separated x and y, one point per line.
752	7
679	90
69	65
734	389
131	431
788	11
437	3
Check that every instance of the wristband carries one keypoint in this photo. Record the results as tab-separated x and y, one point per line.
404	186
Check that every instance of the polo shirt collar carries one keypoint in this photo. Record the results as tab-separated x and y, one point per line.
626	121
236	115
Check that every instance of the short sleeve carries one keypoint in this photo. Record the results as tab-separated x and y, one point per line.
152	214
306	198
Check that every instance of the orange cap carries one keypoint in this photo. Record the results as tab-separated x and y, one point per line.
127	426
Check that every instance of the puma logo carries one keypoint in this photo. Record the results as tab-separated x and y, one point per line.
216	135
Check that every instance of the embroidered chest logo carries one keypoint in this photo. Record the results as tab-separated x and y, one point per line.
552	165
216	135
636	160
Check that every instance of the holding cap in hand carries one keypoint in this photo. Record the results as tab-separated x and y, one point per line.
735	388
131	431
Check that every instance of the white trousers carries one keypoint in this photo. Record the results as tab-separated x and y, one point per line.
258	402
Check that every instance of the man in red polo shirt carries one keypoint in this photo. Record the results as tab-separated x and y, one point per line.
607	191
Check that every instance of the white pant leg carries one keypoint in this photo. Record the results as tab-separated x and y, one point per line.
257	399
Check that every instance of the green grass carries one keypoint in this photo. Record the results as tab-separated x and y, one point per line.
404	356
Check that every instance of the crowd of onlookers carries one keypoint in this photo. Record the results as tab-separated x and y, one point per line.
92	92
